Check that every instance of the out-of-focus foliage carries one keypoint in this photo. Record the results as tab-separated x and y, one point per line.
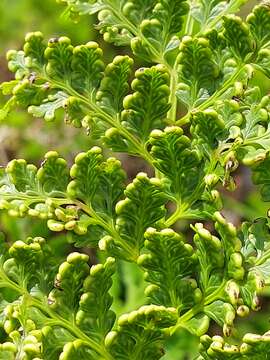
18	17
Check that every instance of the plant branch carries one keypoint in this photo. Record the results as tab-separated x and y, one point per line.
114	122
57	319
213	98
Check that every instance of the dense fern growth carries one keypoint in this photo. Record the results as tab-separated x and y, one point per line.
193	114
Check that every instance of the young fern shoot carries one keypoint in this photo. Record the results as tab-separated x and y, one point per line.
193	114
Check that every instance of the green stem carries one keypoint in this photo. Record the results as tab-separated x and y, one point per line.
216	295
212	99
263	259
183	210
172	113
36	199
233	7
158	58
189	24
114	122
135	30
106	225
72	328
56	319
180	210
140	148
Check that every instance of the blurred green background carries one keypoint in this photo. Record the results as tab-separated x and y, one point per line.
24	137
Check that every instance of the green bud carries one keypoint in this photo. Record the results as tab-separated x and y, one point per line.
9	326
265	101
123	319
150	289
211	179
13	213
70	225
236	259
76	257
238	88
95	269
227	330
31	349
235	132
110	338
230	316
217	199
216	345
55	225
256	303
198	296
60	214
238	274
80	229
144	259
263	114
255	158
9	346
251	338
243	311
233	291
4	205
105	243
